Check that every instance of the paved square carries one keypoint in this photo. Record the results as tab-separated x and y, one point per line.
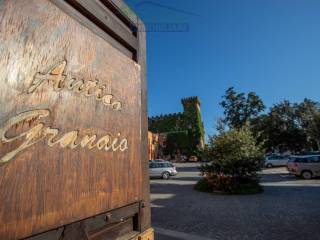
289	208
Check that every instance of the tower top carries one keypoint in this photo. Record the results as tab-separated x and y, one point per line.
188	100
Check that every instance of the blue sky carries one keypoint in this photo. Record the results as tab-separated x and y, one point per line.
271	47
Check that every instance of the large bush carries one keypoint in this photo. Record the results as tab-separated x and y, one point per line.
235	160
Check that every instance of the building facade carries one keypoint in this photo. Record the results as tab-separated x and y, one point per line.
182	132
156	145
152	145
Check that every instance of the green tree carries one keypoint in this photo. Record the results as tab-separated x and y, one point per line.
220	126
281	128
314	129
178	142
239	108
307	113
288	127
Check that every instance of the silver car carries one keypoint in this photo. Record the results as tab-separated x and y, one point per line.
276	161
305	166
162	169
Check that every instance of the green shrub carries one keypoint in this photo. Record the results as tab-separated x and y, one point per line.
226	185
203	186
235	160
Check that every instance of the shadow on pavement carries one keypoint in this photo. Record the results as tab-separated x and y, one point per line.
281	212
187	169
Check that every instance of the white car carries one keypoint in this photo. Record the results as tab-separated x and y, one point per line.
276	161
162	169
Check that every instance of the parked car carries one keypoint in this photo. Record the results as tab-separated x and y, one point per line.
159	160
163	170
193	158
306	167
309	153
276	161
184	158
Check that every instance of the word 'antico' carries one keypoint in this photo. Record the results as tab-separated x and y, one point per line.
87	88
70	139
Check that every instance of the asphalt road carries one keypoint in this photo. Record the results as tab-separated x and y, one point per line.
289	208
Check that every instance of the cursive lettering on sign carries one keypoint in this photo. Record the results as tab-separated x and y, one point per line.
88	88
40	132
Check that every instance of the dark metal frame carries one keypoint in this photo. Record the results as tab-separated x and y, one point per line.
107	20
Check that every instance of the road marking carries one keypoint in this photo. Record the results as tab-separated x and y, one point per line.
291	184
173	181
180	235
285	175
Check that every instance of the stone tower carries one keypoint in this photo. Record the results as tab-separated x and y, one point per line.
193	121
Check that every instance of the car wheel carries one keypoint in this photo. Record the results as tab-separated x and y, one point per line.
269	165
165	175
306	174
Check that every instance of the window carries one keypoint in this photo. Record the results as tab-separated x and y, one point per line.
158	165
152	165
301	160
314	159
292	159
304	160
163	165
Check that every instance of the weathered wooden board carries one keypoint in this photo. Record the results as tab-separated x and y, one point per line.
70	121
